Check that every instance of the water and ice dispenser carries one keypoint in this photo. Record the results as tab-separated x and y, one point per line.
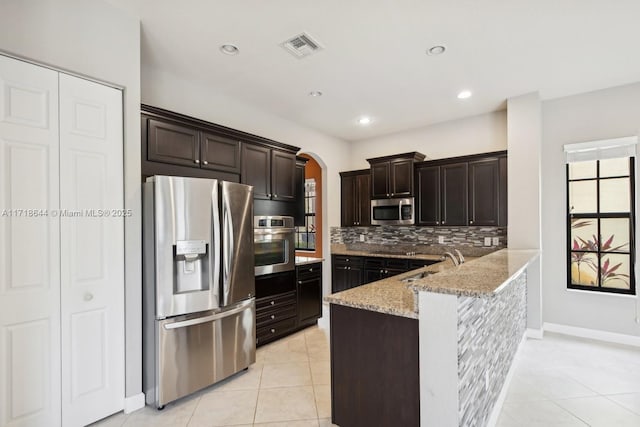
191	266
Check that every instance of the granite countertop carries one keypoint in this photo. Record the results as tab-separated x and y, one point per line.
302	260
478	277
381	253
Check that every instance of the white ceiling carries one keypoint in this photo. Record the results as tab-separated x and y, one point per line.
374	60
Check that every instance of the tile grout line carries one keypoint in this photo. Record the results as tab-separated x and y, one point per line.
255	409
313	388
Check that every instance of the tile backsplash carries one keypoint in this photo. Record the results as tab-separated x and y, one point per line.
420	239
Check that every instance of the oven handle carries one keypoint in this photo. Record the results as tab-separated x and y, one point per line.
210	318
279	231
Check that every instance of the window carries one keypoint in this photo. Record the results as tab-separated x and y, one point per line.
600	223
306	234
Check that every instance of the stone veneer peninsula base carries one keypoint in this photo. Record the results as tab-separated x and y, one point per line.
375	377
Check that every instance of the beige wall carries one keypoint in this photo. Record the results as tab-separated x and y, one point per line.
471	135
590	116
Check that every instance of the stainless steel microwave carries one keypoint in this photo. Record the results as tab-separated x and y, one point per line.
393	211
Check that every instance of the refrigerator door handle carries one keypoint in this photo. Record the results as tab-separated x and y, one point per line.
215	254
211	318
227	254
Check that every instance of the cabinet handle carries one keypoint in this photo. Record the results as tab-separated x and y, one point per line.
348	268
386	272
387	194
275	196
88	296
443	222
197	161
299	282
273	316
381	271
273	331
347	259
392	194
470	222
205	162
310	270
273	302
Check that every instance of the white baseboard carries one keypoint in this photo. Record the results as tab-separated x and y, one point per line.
536	334
593	334
497	408
133	403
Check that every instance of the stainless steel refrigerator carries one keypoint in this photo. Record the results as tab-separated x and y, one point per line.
199	288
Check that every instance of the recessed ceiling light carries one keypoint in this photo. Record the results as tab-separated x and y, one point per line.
436	50
364	120
464	94
315	93
229	49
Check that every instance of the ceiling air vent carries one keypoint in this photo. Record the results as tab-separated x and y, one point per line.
301	45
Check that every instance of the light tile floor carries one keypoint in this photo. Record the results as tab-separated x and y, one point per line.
289	385
558	381
566	381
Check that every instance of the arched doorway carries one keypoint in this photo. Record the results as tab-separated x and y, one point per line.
309	236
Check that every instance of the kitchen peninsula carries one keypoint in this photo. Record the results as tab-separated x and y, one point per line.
431	346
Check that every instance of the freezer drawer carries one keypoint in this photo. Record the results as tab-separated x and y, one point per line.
197	351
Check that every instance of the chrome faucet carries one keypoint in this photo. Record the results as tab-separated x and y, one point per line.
453	258
460	257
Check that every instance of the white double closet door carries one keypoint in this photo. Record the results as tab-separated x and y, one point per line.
61	269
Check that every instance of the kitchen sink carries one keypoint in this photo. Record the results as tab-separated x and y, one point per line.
418	276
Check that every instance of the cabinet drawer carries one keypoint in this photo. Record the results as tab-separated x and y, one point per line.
374	263
275	301
348	260
309	271
397	264
267	317
274	330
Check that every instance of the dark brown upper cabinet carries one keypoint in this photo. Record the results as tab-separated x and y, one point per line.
355	198
469	190
256	170
392	176
178	145
271	172
173	143
428	195
219	153
453	179
484	191
299	216
283	175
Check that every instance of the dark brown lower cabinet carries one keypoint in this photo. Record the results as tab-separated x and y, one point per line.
375	377
309	277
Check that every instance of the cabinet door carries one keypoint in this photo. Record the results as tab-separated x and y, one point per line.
256	170
219	153
172	143
428	195
283	173
355	276
339	278
348	213
309	300
372	274
502	196
380	179
298	218
29	246
401	179
484	190
92	251
363	199
454	194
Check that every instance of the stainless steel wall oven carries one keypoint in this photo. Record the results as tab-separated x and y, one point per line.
274	244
